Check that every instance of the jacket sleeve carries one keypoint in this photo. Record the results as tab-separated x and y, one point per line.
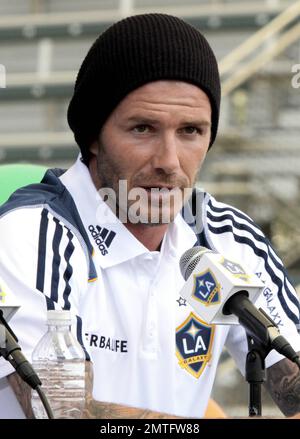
43	264
236	236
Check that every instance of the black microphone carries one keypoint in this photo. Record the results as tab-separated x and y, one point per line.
220	289
11	351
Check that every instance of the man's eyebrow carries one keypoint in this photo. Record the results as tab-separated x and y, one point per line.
196	122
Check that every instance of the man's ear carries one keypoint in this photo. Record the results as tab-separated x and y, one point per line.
94	148
93	168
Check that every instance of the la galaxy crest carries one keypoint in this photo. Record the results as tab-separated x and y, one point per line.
206	288
235	269
194	340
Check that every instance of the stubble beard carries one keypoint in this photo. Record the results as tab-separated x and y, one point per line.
110	175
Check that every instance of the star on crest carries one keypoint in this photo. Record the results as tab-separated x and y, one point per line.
181	301
193	331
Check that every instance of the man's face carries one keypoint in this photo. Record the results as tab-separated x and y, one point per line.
157	137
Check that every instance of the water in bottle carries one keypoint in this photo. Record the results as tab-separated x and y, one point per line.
59	360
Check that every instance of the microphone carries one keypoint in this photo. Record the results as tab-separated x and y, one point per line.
222	291
9	347
8	305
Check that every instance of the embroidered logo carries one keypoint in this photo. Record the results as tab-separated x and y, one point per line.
194	340
206	288
235	269
102	237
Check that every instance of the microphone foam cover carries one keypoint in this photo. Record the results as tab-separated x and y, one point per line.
190	259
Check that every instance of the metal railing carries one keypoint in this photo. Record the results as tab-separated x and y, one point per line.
41	23
265	44
235	68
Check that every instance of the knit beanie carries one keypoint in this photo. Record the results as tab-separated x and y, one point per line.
130	53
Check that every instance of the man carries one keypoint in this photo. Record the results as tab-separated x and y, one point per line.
104	239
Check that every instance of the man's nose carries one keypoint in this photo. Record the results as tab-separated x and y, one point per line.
166	154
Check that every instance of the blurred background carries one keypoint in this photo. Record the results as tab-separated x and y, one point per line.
255	163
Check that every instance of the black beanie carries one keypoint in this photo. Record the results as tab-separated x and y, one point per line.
131	53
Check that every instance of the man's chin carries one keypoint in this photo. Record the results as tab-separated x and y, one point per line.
149	224
156	218
158	224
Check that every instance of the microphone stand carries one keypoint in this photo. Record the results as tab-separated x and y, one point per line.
255	373
262	336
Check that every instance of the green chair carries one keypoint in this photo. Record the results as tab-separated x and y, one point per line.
15	176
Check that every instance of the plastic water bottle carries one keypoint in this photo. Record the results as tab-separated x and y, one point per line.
59	361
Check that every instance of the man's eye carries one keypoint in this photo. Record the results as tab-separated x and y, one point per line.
191	130
141	128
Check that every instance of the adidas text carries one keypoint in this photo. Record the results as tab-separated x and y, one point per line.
102	237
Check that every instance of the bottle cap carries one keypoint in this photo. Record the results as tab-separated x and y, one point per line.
59	315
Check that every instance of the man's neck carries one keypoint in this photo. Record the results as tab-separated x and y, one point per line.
150	236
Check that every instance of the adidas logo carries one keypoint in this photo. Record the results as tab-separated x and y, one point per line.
102	237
